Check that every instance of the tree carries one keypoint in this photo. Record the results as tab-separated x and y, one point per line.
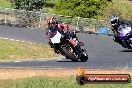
82	8
26	17
28	4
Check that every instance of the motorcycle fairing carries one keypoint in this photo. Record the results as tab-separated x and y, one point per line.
56	38
124	31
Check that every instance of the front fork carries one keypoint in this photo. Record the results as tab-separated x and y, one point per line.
74	44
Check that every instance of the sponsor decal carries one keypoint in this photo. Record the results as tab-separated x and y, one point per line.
83	78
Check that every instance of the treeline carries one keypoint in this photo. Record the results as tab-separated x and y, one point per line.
28	4
81	8
31	5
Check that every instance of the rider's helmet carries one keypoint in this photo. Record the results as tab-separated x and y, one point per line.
114	20
51	22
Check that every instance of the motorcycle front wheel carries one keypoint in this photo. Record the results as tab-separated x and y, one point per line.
84	56
69	54
130	43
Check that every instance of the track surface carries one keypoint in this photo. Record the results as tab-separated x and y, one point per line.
103	52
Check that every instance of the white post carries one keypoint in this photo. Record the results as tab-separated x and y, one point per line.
94	29
40	19
77	26
5	16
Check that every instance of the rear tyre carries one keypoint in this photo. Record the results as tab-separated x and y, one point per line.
70	55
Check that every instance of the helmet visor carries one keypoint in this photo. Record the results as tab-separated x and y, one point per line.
114	21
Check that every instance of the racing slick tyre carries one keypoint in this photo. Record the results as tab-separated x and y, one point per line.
129	42
69	54
84	58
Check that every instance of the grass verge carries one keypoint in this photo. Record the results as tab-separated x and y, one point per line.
51	78
45	82
11	50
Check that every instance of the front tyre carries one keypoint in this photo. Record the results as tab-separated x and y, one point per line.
129	41
84	57
69	54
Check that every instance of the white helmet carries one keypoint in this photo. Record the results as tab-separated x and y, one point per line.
114	20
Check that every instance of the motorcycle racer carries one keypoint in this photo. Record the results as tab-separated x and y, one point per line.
115	23
52	28
62	28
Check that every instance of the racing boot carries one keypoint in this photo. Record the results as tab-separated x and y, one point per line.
117	40
56	49
51	44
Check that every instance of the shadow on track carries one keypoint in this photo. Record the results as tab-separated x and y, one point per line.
126	51
68	61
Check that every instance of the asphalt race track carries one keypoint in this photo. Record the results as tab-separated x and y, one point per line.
103	52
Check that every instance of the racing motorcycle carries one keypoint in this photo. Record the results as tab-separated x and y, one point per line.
125	34
63	46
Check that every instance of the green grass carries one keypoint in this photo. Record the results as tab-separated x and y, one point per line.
45	82
10	50
121	8
5	3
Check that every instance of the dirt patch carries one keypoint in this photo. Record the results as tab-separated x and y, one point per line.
25	73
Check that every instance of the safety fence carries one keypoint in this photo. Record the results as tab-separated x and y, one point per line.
22	18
